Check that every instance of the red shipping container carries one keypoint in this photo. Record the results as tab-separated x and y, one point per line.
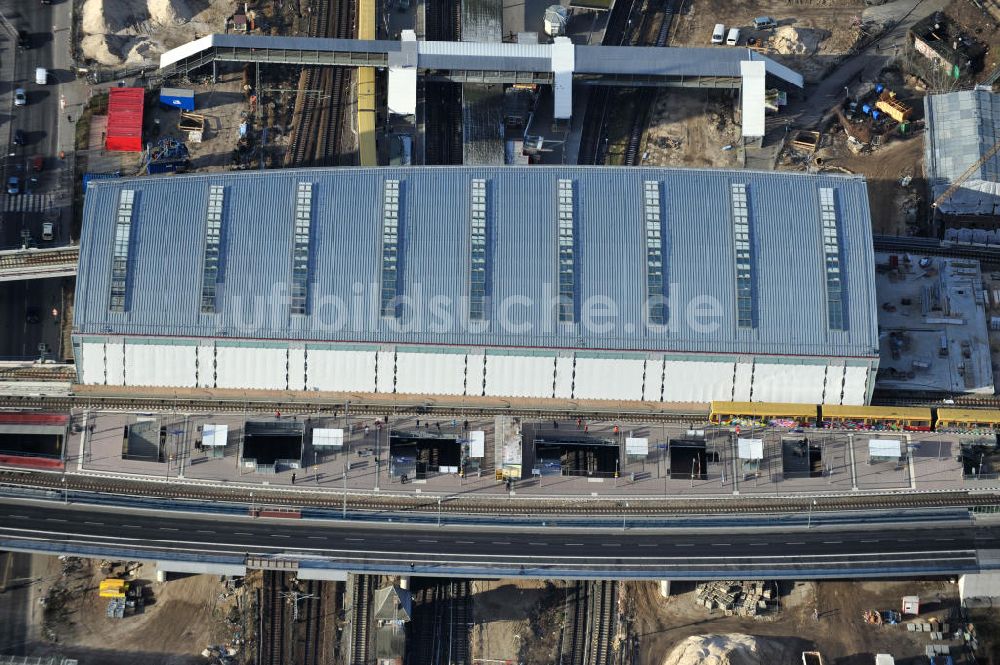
125	119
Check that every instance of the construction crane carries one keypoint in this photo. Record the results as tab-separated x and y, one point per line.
957	182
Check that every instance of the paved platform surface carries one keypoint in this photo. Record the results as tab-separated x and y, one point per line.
364	464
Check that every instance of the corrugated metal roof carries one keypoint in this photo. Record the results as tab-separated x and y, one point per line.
518	57
168	228
492	56
962	126
674	61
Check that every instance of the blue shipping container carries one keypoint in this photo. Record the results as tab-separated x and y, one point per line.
179	98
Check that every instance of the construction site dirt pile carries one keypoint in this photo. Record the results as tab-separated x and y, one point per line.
137	31
729	649
789	40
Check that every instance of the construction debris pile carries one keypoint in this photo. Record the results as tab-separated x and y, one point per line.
798	41
738	598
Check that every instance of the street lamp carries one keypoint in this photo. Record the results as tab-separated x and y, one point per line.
624	516
809	521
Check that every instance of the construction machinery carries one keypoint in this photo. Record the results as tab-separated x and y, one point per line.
957	182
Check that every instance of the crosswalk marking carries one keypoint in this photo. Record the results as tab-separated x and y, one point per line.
28	203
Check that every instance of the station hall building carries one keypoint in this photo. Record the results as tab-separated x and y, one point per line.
641	284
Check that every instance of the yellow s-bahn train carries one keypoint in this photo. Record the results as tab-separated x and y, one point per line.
920	419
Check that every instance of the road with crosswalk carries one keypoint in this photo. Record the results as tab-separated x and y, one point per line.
26	307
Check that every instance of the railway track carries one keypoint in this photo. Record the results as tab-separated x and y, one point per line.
602	99
439	630
603	614
648	506
272	637
363	587
372	405
312	615
317	140
575	611
989	255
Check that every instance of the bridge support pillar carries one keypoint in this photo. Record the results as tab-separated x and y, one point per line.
404	582
981	587
665	588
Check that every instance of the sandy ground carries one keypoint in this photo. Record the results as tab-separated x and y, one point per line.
690	128
840	633
519	621
137	31
833	19
184	616
222	105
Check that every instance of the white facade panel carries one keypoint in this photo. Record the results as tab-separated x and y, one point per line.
743	382
114	363
798	384
205	356
564	378
653	388
519	376
238	367
93	363
340	370
834	384
297	369
855	385
475	366
160	365
605	378
430	373
385	381
693	381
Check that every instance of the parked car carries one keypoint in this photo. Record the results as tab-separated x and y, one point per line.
32	316
734	37
23	39
37	163
48	231
403	5
764	23
13	185
18	137
20	97
718	33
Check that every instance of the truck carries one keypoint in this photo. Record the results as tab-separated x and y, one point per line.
41	75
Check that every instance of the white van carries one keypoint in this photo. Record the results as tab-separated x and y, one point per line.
719	33
734	37
41	76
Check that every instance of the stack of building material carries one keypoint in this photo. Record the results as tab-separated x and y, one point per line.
742	598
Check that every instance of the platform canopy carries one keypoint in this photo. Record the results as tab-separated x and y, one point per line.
636	446
214	435
477	444
332	438
885	448
750	449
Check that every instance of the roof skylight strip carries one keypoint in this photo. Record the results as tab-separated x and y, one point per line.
831	252
477	265
119	260
300	248
567	258
744	269
655	287
390	246
210	263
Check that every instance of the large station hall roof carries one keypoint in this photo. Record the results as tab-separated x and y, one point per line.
545	257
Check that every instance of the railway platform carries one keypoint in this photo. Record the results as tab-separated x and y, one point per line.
679	461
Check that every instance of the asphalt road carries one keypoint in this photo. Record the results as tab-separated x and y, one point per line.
791	553
39	121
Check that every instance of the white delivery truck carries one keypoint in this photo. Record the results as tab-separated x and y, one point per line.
41	75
